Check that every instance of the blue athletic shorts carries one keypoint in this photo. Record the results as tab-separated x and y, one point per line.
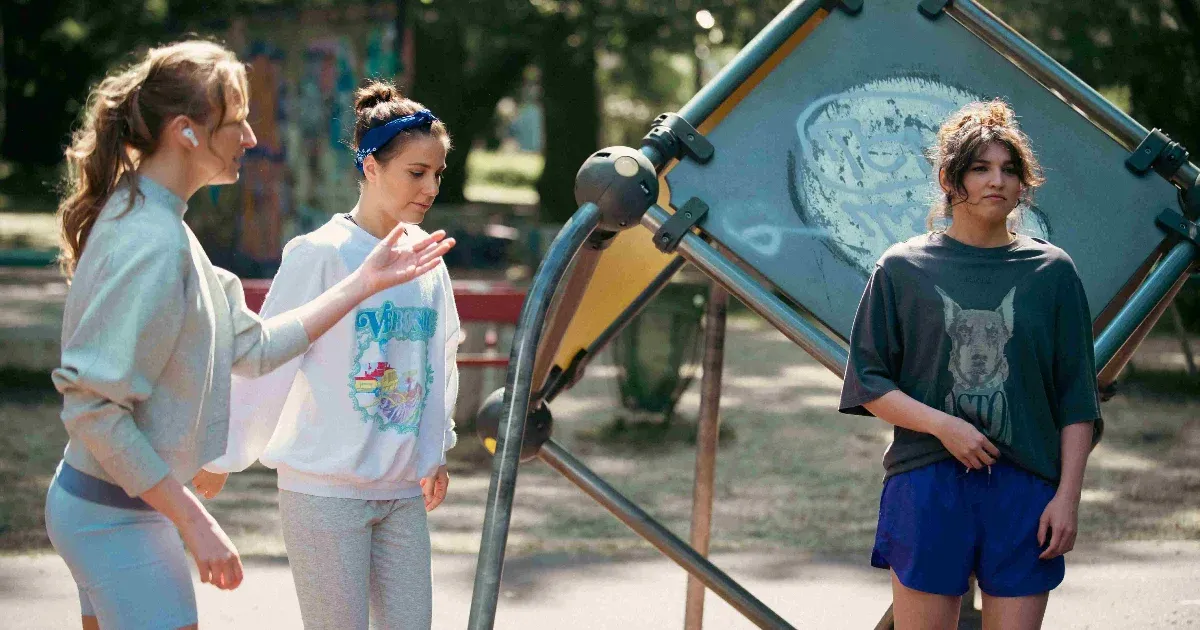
938	524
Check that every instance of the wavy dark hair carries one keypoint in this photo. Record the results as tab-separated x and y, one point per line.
964	136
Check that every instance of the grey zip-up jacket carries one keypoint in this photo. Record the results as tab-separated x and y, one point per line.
151	335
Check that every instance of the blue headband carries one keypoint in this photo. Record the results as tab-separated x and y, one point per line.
381	135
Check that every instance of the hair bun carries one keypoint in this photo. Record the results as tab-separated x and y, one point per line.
995	113
374	93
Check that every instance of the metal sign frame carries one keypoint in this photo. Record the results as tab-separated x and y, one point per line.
548	306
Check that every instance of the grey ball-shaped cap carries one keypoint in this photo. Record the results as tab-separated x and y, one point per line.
537	427
621	181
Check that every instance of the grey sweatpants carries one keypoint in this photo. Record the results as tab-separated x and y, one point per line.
351	556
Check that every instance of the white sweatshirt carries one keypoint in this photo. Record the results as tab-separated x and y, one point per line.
368	410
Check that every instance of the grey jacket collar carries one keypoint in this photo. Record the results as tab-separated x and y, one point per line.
161	195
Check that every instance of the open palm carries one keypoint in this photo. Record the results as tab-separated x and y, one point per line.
391	263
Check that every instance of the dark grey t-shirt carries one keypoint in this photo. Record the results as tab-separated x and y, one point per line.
1000	337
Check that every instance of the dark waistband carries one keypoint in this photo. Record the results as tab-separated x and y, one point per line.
89	488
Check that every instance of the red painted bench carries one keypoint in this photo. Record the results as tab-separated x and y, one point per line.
478	301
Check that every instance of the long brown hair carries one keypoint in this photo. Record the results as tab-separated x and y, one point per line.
123	120
965	135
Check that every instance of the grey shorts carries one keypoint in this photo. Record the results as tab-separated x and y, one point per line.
130	565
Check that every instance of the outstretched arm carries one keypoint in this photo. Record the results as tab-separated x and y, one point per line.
386	266
262	346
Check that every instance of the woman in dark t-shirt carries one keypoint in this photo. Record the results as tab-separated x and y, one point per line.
975	343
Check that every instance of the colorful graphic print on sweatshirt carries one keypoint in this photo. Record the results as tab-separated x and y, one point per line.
390	374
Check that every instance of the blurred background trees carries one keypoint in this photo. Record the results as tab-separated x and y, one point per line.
568	76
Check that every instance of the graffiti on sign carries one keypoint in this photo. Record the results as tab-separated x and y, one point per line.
859	171
265	193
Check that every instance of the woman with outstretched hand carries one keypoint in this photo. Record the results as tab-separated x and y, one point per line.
153	332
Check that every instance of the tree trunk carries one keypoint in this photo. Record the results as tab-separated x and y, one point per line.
466	101
439	83
571	107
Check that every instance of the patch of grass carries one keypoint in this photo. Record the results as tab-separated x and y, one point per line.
503	177
649	435
30	447
485	193
512	169
796	476
26	230
32	443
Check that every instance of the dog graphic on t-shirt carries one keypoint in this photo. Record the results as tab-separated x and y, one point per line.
978	365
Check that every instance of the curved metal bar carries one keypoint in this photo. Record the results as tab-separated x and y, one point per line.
518	387
811	339
562	311
708	431
654	532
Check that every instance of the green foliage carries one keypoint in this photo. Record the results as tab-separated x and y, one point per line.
514	170
1145	57
64	46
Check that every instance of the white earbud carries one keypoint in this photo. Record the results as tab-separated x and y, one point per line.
191	135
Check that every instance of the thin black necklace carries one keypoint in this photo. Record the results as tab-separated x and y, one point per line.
350	218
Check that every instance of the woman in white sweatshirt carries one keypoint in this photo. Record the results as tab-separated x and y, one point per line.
152	333
358	428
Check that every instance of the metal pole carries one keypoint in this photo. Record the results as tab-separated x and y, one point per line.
1143	301
707	435
511	432
1110	371
656	534
739	69
1047	71
821	346
1043	68
1110	310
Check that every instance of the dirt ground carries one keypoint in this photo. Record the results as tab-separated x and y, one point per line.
794	478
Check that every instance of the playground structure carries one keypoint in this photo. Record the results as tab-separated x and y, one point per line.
783	180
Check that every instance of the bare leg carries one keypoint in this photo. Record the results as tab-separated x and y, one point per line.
1014	613
918	610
